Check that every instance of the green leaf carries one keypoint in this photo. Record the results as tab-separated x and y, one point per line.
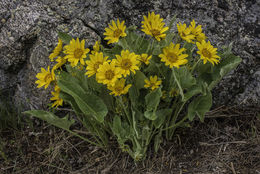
132	28
122	130
161	115
152	99
146	133
64	37
139	79
172	21
157	141
107	98
151	115
214	75
133	95
117	127
199	106
168	39
185	77
195	89
156	50
143	46
89	104
63	123
66	97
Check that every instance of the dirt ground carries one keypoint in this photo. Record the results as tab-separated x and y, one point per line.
227	142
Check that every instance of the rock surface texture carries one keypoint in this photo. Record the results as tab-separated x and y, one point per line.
28	33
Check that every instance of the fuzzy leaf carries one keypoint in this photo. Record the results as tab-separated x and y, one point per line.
152	99
161	115
151	115
139	79
89	104
157	141
63	123
199	106
64	37
214	75
185	77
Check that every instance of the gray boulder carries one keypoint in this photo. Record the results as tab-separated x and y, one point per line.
28	33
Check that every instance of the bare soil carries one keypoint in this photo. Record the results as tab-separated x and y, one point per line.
227	142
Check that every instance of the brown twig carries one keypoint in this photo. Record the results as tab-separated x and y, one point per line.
232	168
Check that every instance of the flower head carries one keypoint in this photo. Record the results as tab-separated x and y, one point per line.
56	50
172	56
207	52
76	52
185	32
153	83
153	26
127	62
96	47
197	31
45	78
56	98
119	88
108	73
93	64
115	31
144	58
60	61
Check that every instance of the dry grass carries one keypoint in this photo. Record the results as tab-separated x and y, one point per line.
227	142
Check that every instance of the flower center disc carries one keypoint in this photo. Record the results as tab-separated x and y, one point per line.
47	77
117	33
172	57
118	89
78	53
96	66
109	75
206	53
126	64
155	32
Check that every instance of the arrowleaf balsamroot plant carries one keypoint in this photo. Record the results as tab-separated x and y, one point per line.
141	89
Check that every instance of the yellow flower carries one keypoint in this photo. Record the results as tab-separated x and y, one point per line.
201	37
96	47
153	26
207	52
127	62
115	31
56	50
197	31
185	33
172	56
61	61
119	88
56	98
76	52
153	83
108	73
45	78
144	58
93	64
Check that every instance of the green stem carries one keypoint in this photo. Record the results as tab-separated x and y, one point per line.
84	124
124	44
175	116
194	66
177	124
85	139
150	47
178	83
125	111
